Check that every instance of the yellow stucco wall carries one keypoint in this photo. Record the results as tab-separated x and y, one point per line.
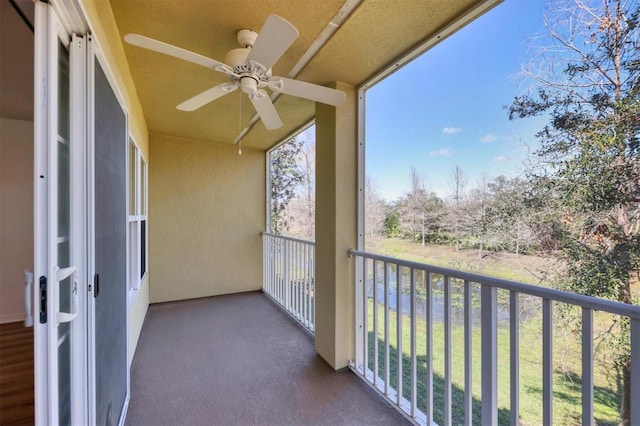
336	227
104	29
206	211
109	42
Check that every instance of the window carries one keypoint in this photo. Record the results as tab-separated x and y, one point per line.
291	177
137	218
437	149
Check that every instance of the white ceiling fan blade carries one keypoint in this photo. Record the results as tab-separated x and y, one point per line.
177	52
310	91
207	96
276	36
265	109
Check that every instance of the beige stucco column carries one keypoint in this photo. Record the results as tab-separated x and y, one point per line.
336	227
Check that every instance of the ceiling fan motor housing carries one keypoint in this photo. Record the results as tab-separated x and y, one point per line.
237	59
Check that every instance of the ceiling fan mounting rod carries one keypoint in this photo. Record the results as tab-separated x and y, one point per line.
246	38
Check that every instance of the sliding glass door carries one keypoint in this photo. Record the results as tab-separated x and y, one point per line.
81	368
60	232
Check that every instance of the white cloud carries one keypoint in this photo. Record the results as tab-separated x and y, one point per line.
500	159
442	152
489	137
451	130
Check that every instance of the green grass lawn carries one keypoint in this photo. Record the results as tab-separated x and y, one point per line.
567	385
567	403
522	268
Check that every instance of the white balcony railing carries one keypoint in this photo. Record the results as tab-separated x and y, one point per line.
288	269
409	298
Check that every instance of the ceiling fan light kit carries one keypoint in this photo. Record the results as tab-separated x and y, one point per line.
249	67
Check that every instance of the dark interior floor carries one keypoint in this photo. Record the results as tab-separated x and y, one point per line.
16	374
240	360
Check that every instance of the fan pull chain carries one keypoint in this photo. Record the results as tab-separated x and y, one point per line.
240	123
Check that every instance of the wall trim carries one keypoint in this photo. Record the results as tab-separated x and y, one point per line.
15	317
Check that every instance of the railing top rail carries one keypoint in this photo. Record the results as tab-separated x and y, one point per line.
632	311
298	240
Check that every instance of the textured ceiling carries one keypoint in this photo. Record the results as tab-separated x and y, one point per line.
376	33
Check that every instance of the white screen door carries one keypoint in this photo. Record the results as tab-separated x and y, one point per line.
110	251
60	230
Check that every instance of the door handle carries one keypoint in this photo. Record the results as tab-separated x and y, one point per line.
43	299
62	274
28	283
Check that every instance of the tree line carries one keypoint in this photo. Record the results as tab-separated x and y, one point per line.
502	214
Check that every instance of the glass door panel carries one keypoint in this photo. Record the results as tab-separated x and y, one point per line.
63	237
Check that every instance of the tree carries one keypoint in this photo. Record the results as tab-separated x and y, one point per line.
374	213
419	210
588	84
511	223
302	209
286	175
480	198
392	220
457	207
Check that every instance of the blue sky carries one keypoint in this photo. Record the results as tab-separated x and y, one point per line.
446	108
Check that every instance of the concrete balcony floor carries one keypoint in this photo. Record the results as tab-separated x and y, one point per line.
240	360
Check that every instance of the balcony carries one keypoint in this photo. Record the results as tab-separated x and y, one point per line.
402	308
239	359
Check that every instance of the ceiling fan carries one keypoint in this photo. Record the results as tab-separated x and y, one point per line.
249	68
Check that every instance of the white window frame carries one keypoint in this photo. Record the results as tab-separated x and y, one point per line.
137	213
